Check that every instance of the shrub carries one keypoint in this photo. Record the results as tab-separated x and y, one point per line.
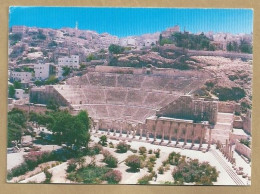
103	140
48	176
145	179
160	170
150	151
150	168
164	163
71	165
113	176
111	145
157	153
17	171
142	150
234	93
133	150
152	159
32	159
110	160
174	158
134	162
89	175
96	149
192	171
122	147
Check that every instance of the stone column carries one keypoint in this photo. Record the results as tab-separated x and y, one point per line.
97	127
154	136
226	148
134	132
178	134
120	134
162	140
186	134
141	134
147	136
230	152
193	136
170	133
209	143
108	131
127	133
114	134
201	136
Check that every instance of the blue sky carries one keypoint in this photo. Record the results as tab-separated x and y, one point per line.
134	21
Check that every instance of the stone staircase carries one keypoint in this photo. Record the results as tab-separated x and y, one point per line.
223	127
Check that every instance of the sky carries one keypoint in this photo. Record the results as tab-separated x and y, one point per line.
134	21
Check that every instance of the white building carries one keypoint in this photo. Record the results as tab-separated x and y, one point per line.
42	71
21	76
19	29
20	94
128	41
72	62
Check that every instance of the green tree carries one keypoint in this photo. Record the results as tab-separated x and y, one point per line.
11	91
116	49
16	125
90	57
15	37
51	80
72	130
245	47
17	85
66	71
103	140
52	105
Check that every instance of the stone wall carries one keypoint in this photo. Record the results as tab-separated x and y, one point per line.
234	137
247	122
185	107
176	129
243	149
226	107
41	95
34	108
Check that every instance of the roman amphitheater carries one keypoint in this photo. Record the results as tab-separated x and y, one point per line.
156	105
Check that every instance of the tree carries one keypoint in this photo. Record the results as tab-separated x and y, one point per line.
245	47
11	91
103	140
17	85
90	57
116	49
66	71
52	105
51	80
72	130
16	125
134	162
15	37
38	83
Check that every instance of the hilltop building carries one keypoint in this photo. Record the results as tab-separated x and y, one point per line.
20	76
43	71
19	29
71	62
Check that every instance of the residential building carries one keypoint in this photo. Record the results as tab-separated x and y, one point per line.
43	71
21	76
20	94
18	29
72	62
